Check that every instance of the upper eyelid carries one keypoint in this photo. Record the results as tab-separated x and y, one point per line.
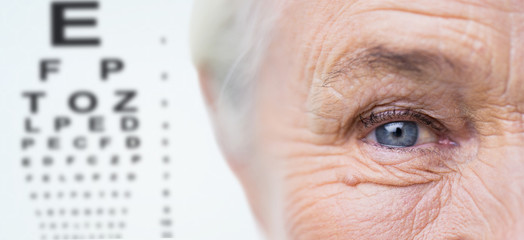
383	117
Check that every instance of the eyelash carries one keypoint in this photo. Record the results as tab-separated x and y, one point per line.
375	119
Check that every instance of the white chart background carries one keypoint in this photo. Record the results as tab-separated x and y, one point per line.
152	38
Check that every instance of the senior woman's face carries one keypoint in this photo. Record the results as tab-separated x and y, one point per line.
391	120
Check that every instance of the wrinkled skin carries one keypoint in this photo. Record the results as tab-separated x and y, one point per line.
312	173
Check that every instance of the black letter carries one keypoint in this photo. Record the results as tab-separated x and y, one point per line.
47	66
29	127
129	124
33	100
61	122
110	65
27	142
96	124
53	143
80	143
60	22
91	105
132	142
122	105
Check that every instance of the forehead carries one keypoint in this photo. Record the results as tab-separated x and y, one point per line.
478	36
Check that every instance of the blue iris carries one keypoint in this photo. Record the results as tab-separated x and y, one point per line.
397	134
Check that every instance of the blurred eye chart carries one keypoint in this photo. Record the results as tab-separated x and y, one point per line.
91	120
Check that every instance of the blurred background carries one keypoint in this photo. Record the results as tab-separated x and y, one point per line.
175	185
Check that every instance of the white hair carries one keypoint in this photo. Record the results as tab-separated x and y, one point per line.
228	39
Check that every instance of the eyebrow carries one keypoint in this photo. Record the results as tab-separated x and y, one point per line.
382	60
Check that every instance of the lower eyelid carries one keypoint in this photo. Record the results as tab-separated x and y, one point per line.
430	159
385	155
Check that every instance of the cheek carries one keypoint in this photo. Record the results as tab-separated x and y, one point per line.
334	210
320	205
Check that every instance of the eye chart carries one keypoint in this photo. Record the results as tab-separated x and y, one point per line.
95	138
93	127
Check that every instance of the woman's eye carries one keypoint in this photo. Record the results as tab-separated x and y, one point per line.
401	134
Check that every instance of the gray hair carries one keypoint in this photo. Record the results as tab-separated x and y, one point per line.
228	39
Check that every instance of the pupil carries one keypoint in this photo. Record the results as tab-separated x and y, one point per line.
398	132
